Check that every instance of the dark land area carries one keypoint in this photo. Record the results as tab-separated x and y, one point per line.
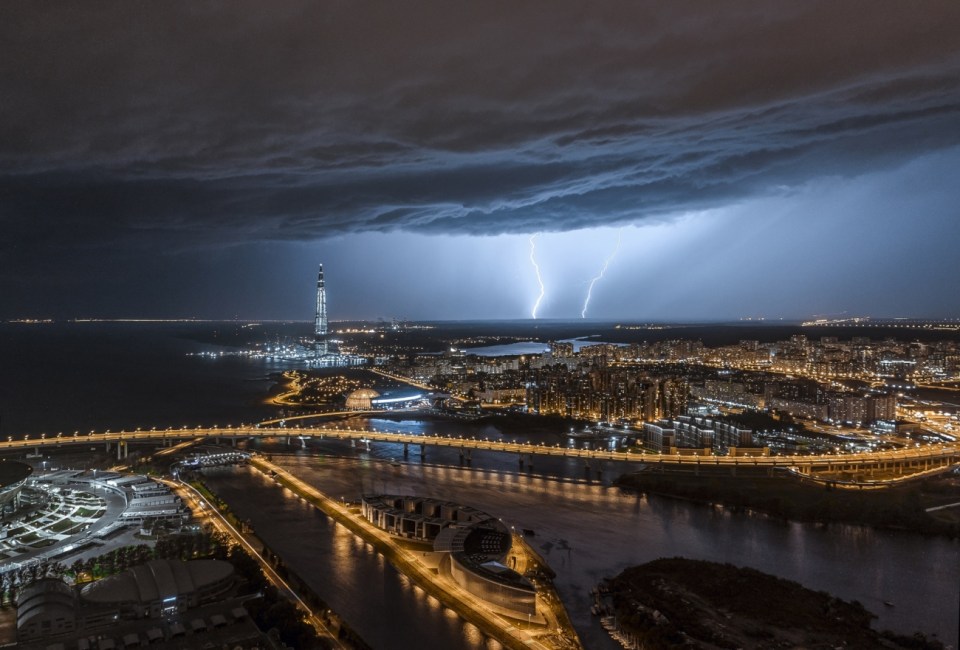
678	602
901	507
437	336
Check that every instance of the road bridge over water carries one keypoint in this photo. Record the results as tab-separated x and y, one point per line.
891	466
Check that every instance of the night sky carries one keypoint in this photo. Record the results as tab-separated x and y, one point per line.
728	160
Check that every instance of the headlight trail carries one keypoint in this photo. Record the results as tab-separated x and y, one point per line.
536	267
596	278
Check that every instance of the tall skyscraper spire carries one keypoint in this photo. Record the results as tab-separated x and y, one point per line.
320	323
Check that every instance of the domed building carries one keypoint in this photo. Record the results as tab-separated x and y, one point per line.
160	587
115	606
361	399
13	476
44	607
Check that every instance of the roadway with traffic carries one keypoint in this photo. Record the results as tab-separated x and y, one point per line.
907	460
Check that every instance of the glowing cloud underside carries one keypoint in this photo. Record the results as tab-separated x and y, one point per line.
536	267
596	278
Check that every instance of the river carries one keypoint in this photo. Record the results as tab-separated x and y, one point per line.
585	530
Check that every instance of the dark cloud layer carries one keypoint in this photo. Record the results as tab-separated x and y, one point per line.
200	124
307	119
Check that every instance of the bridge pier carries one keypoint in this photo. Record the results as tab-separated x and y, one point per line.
423	452
107	447
406	449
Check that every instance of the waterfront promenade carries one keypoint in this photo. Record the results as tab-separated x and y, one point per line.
512	634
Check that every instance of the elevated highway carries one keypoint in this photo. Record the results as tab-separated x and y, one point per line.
891	465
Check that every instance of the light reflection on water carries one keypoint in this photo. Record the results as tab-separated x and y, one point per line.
384	606
589	530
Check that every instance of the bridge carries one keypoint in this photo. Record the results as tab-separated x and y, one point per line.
892	466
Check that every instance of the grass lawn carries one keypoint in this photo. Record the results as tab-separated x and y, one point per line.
43	543
62	525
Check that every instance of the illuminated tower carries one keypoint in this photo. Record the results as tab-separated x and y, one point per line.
320	323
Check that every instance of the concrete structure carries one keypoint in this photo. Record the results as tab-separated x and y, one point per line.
729	393
901	464
659	436
146	500
467	545
418	518
13	476
695	432
158	589
44	608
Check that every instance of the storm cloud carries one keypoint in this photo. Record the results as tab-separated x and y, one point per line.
309	119
211	124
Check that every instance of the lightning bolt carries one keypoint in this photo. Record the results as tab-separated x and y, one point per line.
536	267
596	278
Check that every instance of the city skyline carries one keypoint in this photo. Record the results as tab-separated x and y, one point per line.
658	162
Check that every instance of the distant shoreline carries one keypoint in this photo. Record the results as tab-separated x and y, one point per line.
897	508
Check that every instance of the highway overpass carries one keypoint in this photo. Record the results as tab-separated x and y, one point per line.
893	465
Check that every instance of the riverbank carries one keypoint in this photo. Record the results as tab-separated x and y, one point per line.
903	507
214	512
506	632
678	601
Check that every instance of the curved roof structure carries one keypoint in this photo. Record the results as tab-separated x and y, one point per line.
13	472
47	597
362	399
12	477
156	580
